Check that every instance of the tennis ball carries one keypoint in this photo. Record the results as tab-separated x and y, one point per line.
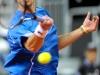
44	58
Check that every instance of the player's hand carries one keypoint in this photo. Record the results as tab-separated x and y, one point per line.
47	23
90	23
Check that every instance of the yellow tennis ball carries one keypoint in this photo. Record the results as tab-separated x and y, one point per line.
44	58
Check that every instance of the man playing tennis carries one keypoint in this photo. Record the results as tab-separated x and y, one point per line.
31	32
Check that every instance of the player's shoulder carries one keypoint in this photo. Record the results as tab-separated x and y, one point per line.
41	10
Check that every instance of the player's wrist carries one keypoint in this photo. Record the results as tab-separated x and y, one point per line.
40	32
84	30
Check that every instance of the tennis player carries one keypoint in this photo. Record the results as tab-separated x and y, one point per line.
33	31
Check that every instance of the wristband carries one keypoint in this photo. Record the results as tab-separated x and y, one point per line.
84	30
40	32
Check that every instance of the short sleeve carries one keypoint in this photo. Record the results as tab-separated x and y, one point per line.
18	35
16	18
24	37
43	11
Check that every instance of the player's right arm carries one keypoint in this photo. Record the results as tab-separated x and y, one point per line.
35	41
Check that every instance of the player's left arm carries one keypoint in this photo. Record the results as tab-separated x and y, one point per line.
87	27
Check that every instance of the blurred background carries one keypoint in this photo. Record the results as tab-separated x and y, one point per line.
68	15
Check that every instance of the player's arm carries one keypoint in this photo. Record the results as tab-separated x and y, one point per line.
88	26
34	42
68	38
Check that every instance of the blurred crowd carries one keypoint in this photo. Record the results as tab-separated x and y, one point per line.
89	65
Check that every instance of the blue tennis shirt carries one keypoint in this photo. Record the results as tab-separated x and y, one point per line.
21	61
